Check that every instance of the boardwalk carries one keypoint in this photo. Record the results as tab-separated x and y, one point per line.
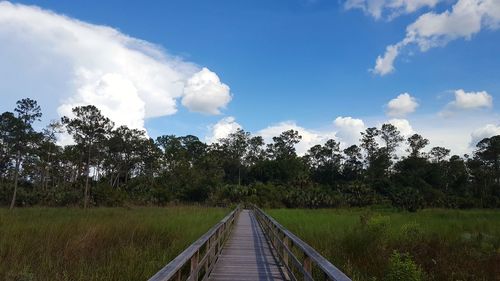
238	248
247	254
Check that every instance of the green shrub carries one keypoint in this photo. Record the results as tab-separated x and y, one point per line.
358	194
403	268
67	197
106	195
408	198
27	196
311	197
369	236
411	231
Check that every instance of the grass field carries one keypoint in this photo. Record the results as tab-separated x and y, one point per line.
45	244
444	244
42	244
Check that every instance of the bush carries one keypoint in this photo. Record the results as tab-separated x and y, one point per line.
26	196
106	195
267	195
67	197
408	199
368	237
142	191
403	268
411	231
358	194
311	197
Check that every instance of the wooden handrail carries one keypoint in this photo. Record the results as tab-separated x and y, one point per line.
286	244
198	260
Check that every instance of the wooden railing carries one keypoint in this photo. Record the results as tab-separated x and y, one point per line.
198	260
300	260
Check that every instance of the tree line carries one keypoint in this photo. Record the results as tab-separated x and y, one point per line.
112	166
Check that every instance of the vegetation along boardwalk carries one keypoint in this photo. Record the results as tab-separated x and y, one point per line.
249	245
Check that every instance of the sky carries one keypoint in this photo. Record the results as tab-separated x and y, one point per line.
327	68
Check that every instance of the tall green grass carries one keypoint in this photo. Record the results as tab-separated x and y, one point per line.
445	244
44	244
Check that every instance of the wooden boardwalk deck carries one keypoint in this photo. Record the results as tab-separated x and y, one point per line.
247	255
239	248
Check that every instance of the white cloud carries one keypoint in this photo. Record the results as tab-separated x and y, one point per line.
64	139
389	8
348	132
487	131
472	100
116	97
403	126
63	62
349	129
222	129
228	125
467	101
402	105
466	18
406	130
385	64
453	133
205	93
309	137
460	134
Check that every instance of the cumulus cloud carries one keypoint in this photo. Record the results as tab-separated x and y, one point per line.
205	93
466	18
402	105
403	126
406	130
63	62
389	8
309	137
459	134
472	100
467	101
349	129
116	97
453	133
487	131
222	129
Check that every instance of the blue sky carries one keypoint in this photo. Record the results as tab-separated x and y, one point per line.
292	64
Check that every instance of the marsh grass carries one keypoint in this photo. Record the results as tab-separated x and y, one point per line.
42	244
446	244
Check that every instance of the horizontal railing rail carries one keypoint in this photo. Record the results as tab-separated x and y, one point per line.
300	260
198	260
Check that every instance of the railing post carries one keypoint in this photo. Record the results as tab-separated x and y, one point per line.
207	254
274	237
222	236
307	265
211	251
194	265
286	245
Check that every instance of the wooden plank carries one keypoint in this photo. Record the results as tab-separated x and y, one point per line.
247	255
